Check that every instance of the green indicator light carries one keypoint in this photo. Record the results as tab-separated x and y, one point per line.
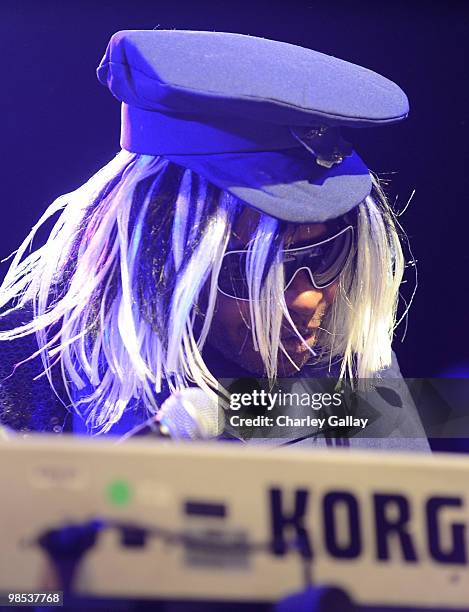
119	492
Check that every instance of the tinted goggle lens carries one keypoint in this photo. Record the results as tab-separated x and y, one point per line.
323	261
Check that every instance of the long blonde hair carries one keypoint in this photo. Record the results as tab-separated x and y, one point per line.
116	287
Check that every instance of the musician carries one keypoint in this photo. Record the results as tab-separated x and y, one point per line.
236	233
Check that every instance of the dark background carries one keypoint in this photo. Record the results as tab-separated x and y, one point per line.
59	125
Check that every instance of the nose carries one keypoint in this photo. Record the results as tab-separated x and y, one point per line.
302	297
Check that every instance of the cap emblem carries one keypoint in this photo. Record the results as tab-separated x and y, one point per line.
325	143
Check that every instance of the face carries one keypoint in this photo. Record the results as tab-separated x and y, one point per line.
230	332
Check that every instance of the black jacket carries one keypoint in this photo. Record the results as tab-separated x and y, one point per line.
27	404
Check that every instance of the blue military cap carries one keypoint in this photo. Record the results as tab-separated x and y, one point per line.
258	118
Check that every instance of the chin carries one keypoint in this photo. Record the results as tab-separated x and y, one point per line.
286	368
250	360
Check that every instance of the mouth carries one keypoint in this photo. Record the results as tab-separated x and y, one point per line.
293	343
305	332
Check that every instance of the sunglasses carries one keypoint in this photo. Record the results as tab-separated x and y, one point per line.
323	262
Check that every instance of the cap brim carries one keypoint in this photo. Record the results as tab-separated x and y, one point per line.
288	184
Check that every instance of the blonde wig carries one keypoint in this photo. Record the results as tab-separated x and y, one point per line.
118	287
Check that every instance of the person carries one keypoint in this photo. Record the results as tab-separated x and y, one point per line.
236	233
